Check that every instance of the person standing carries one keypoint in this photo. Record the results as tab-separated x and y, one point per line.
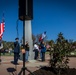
43	50
36	50
16	50
26	51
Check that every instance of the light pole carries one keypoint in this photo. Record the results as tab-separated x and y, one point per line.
26	15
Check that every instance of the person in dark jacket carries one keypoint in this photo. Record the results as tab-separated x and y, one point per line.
43	50
16	50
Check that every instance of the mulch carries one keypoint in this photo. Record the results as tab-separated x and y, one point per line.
50	71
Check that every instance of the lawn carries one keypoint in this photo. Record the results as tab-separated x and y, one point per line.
73	53
7	54
11	54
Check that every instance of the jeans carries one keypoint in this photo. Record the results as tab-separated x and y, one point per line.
16	57
40	55
26	55
43	56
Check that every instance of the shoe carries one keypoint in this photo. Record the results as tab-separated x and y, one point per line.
43	60
0	60
15	63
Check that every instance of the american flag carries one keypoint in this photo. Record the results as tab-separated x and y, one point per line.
2	26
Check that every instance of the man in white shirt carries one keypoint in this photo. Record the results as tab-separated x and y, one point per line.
36	50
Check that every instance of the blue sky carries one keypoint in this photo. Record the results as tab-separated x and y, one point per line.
52	16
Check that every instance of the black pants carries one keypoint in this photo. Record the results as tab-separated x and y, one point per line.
43	56
36	54
16	57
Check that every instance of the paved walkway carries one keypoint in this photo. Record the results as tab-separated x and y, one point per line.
7	68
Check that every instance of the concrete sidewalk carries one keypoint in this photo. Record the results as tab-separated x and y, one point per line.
7	68
31	63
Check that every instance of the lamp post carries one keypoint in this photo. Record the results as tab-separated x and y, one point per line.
23	47
26	15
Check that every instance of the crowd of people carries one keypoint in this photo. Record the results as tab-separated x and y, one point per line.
38	48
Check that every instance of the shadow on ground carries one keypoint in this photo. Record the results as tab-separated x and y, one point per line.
11	71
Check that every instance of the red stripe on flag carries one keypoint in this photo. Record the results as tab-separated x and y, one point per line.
1	28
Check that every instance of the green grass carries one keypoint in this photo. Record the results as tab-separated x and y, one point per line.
48	52
12	54
73	52
7	54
